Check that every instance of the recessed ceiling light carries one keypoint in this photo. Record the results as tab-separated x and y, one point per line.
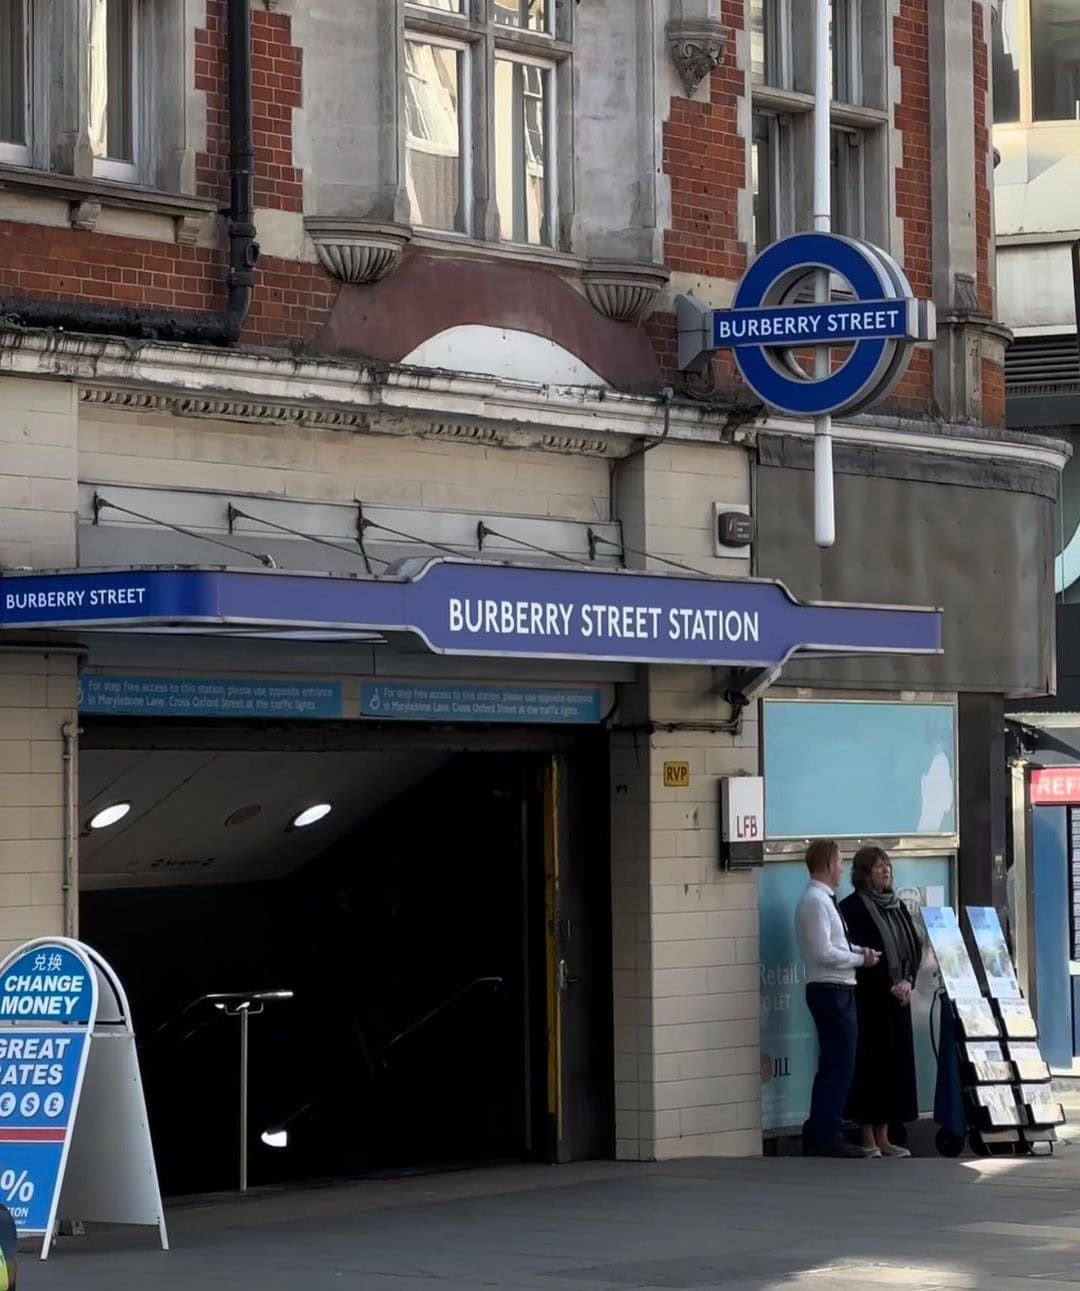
110	815
311	815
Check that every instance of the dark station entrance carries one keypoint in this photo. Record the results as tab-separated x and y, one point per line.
444	932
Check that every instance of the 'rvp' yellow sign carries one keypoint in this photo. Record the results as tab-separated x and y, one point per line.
676	775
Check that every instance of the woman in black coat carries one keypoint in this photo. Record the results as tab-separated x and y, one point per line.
883	1091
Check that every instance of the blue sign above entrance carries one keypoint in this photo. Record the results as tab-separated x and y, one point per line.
468	608
881	322
208	697
419	702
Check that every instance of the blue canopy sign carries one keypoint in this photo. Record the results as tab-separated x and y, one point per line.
882	322
494	611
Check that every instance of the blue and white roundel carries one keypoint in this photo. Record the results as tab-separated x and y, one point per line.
877	316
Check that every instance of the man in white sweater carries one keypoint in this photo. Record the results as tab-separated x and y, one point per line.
831	961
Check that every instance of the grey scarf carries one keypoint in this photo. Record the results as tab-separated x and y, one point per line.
901	943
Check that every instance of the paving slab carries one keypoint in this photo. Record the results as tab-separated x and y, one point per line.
772	1224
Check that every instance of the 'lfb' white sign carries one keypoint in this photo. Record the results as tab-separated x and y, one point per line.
742	814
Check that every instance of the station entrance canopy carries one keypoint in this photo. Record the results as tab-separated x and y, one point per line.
471	608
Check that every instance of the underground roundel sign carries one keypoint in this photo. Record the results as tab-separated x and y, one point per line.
871	312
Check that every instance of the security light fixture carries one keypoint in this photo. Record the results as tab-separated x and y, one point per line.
275	1138
311	815
110	815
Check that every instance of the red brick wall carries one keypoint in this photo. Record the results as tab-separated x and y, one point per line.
291	299
705	160
911	37
275	91
993	394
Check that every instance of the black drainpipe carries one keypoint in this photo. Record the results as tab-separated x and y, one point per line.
160	324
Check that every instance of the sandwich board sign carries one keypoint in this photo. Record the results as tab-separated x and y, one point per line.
74	1134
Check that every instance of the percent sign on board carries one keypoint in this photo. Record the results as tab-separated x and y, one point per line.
17	1187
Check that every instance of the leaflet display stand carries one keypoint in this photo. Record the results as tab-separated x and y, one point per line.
1031	1082
993	1086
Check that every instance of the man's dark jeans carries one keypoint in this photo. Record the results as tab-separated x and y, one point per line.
833	1011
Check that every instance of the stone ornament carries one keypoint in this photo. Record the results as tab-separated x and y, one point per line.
357	251
623	292
696	47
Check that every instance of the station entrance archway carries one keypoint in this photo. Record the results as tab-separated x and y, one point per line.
444	932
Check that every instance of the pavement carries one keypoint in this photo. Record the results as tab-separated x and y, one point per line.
773	1224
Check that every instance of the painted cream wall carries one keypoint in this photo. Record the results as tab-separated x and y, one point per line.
687	1002
38	428
38	421
37	697
337	466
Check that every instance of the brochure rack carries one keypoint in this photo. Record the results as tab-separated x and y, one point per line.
994	1090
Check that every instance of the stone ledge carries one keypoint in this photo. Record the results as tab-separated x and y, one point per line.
86	198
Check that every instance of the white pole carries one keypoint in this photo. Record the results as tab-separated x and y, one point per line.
824	508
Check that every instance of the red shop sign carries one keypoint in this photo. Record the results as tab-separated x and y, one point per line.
1055	785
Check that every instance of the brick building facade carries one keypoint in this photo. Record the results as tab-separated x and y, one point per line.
473	219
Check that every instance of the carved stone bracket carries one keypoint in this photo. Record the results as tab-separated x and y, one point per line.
357	251
189	229
85	214
623	292
696	45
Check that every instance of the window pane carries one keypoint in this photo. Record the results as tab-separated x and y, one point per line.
763	168
768	43
846	37
535	15
757	41
433	135
447	6
846	179
1007	62
522	162
12	72
1055	59
112	78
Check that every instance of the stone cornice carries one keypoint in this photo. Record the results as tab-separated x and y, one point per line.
357	397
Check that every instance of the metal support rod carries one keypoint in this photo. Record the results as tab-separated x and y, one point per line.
245	1016
69	734
824	505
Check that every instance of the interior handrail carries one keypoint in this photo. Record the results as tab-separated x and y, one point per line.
226	1001
453	998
